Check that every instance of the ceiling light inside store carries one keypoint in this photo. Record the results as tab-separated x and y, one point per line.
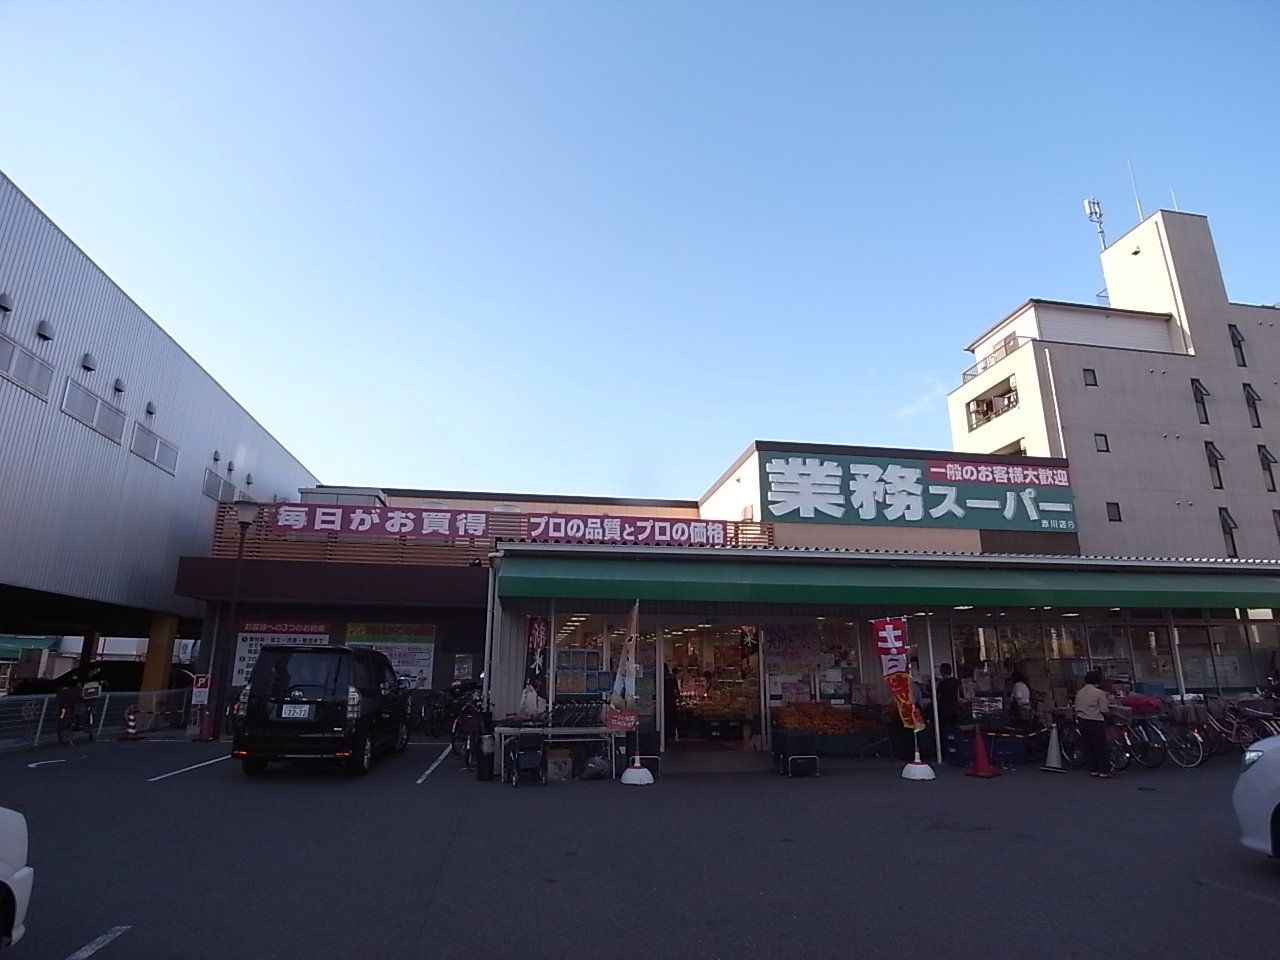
1071	614
965	606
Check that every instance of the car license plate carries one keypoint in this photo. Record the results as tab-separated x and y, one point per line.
295	711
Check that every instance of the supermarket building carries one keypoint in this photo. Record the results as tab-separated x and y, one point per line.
1091	439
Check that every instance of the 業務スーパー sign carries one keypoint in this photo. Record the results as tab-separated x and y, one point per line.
925	493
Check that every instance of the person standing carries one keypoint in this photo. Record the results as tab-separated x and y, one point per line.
1092	704
671	702
948	699
1019	697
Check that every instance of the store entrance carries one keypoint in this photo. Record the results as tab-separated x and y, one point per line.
711	688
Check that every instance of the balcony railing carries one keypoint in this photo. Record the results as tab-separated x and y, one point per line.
984	411
1006	347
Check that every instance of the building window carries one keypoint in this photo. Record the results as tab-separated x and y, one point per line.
24	368
1229	526
1113	512
218	489
1251	398
1237	344
1267	458
154	449
1199	392
1100	443
1090	377
1275	518
91	410
1214	456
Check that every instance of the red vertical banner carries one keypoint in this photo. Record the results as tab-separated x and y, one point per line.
891	644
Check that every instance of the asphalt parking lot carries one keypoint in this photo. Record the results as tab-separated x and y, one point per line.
856	863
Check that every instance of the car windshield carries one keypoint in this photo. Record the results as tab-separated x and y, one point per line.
314	673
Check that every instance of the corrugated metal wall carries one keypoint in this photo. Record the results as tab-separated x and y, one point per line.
79	513
1105	329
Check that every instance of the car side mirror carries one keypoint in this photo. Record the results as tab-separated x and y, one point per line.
404	683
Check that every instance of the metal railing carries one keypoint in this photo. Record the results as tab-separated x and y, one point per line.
32	721
1006	347
992	407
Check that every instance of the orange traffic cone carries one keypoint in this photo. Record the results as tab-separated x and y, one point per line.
981	763
131	725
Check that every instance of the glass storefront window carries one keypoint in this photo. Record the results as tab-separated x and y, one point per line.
1109	652
1153	660
1068	662
1264	650
1232	659
1197	659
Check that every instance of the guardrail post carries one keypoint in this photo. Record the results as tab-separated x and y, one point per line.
40	725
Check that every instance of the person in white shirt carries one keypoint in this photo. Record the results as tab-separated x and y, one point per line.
1091	705
1019	697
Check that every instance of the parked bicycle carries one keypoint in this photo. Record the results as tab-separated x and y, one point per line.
1225	726
468	726
433	713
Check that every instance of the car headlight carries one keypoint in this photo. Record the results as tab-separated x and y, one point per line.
1251	756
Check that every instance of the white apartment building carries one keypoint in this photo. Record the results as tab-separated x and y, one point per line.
1166	401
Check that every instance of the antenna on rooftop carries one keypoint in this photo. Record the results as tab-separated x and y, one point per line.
1093	210
1175	200
1134	183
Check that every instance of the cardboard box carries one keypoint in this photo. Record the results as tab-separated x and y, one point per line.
559	765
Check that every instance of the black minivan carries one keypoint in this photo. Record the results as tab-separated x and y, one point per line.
320	702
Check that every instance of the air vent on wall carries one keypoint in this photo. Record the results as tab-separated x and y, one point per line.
89	362
44	330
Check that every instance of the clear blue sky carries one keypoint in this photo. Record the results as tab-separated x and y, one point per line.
598	248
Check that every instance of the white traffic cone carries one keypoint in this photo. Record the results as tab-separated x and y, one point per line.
917	769
637	775
1053	759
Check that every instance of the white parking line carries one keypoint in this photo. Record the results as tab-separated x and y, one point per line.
431	769
89	949
194	766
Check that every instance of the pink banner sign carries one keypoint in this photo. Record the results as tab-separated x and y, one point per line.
653	531
380	521
1018	474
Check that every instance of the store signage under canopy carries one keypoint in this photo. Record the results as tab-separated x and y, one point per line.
833	488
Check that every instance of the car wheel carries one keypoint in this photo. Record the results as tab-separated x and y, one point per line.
402	736
363	759
254	766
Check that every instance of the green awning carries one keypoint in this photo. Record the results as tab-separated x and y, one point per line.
11	647
821	583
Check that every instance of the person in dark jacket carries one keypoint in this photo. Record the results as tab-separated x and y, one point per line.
948	699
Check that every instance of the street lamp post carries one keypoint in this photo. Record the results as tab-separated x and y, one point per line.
223	654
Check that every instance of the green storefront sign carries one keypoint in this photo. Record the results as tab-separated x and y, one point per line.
831	488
